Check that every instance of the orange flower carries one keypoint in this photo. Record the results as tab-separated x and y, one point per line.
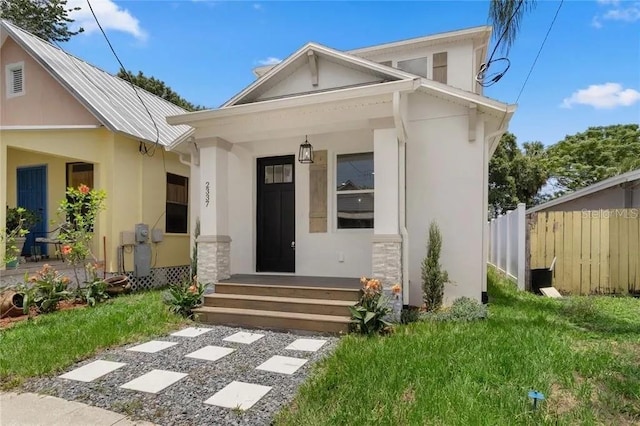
66	250
65	280
193	289
396	289
363	280
84	189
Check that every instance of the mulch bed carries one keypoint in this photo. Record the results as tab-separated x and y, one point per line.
63	305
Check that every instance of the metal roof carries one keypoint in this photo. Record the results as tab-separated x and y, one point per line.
112	100
631	176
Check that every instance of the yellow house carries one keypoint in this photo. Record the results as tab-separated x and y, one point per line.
64	122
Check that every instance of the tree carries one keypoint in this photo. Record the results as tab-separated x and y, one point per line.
516	175
434	277
47	19
506	16
158	88
598	153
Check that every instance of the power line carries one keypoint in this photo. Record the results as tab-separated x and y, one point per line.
553	21
133	86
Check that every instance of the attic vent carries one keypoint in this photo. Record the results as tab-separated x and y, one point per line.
14	74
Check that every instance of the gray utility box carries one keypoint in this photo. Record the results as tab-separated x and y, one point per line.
142	251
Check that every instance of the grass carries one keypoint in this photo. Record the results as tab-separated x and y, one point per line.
583	354
49	343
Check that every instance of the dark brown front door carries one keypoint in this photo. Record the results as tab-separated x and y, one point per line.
276	215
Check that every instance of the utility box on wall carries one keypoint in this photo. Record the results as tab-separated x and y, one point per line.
142	251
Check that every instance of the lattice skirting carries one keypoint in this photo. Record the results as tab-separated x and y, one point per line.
159	277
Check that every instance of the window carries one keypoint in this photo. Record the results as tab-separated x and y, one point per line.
278	173
14	75
440	67
416	66
79	174
354	190
177	204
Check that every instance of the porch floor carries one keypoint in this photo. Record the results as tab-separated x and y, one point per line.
31	267
294	280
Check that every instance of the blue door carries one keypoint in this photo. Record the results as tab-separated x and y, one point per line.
32	194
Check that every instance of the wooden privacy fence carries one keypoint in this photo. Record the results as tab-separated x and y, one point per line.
596	251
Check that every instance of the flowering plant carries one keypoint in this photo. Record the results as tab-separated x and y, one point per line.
45	289
80	209
19	220
372	309
182	298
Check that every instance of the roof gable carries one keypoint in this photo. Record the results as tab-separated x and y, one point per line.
316	68
110	99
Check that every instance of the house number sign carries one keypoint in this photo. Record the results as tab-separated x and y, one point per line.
206	194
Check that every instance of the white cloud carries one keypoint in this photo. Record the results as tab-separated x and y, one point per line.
270	61
617	11
257	6
603	96
627	14
111	17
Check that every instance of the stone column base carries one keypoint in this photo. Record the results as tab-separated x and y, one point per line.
214	258
387	259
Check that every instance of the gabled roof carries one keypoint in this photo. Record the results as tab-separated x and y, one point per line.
631	176
111	99
280	71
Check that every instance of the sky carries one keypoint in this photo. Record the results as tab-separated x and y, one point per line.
588	73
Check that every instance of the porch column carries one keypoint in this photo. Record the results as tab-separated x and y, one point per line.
3	197
214	243
387	241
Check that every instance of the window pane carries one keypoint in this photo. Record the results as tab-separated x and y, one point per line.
177	204
414	66
288	173
355	210
355	172
176	218
268	174
277	173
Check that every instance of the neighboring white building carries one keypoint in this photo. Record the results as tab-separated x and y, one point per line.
401	136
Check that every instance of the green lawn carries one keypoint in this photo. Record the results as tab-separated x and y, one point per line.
583	354
51	342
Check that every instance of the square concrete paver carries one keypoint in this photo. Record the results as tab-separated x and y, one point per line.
92	371
244	337
152	347
282	364
308	345
154	381
210	353
191	332
238	395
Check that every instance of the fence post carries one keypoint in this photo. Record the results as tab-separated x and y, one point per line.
521	211
498	242
507	264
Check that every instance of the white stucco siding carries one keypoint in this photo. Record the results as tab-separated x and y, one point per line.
330	75
445	181
317	254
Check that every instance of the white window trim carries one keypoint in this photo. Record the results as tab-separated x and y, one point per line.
9	82
335	192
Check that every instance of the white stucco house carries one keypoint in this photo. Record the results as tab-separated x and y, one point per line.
401	136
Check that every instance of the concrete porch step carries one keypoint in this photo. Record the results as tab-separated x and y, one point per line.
325	293
275	320
282	304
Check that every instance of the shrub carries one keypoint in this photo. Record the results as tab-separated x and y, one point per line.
95	288
433	277
372	309
409	314
462	309
184	297
47	288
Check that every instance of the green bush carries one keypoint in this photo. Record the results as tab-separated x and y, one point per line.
462	309
184	297
372	309
409	314
45	289
433	276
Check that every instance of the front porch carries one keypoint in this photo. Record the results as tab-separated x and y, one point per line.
294	281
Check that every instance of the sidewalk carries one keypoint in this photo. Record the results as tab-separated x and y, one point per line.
33	409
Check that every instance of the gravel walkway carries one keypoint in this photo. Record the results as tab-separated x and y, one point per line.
183	402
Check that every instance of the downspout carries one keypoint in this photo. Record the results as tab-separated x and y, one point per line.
185	159
402	195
